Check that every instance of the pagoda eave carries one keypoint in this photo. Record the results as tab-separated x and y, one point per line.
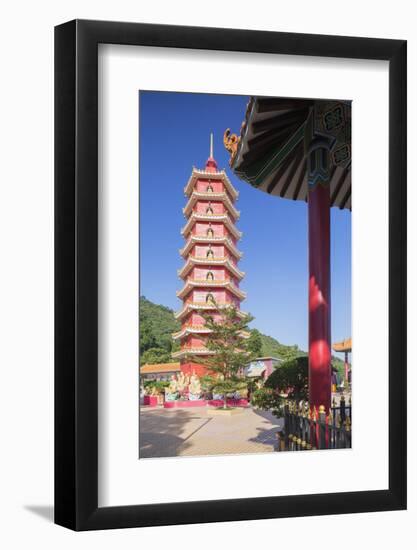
224	262
190	330
190	352
200	239
192	284
196	306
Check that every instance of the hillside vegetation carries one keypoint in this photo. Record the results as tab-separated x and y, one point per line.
157	323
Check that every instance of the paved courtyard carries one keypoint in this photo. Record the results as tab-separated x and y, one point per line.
193	432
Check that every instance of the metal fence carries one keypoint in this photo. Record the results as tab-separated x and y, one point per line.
306	429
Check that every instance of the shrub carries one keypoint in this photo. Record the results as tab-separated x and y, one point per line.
290	378
157	387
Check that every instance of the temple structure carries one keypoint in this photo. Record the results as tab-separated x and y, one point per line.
345	347
300	149
210	273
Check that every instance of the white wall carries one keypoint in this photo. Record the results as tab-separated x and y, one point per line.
26	291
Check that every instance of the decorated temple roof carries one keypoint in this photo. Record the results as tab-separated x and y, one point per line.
193	283
159	368
344	345
271	151
192	260
220	197
197	174
224	218
202	239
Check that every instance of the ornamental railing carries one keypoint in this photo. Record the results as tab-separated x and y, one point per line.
306	430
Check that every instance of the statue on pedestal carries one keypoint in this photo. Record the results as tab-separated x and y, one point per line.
194	388
171	392
182	382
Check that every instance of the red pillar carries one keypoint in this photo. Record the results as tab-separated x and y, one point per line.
319	295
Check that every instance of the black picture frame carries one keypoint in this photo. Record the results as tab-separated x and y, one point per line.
76	272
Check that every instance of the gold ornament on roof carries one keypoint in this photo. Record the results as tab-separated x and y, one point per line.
231	142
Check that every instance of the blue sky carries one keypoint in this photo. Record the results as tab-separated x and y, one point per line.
174	136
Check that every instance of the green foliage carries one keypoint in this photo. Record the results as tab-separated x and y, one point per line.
255	342
272	348
157	323
155	386
264	398
268	400
146	336
231	350
339	365
290	378
156	356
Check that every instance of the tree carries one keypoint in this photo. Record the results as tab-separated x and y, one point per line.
157	323
255	342
146	338
228	342
155	356
291	378
288	380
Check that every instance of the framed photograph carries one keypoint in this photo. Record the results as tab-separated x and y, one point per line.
230	337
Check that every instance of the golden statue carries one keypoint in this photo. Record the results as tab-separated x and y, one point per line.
231	142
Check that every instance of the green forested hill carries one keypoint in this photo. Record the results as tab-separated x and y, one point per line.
157	323
272	348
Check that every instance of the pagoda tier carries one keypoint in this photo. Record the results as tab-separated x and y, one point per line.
199	223
192	248
220	203
210	273
222	268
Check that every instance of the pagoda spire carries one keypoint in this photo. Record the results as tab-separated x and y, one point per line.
211	164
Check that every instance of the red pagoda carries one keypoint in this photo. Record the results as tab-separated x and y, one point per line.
210	273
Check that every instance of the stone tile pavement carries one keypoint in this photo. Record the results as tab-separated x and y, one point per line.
193	432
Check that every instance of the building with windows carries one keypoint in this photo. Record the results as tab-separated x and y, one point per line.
160	371
262	367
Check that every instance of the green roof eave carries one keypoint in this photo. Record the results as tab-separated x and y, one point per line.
257	172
